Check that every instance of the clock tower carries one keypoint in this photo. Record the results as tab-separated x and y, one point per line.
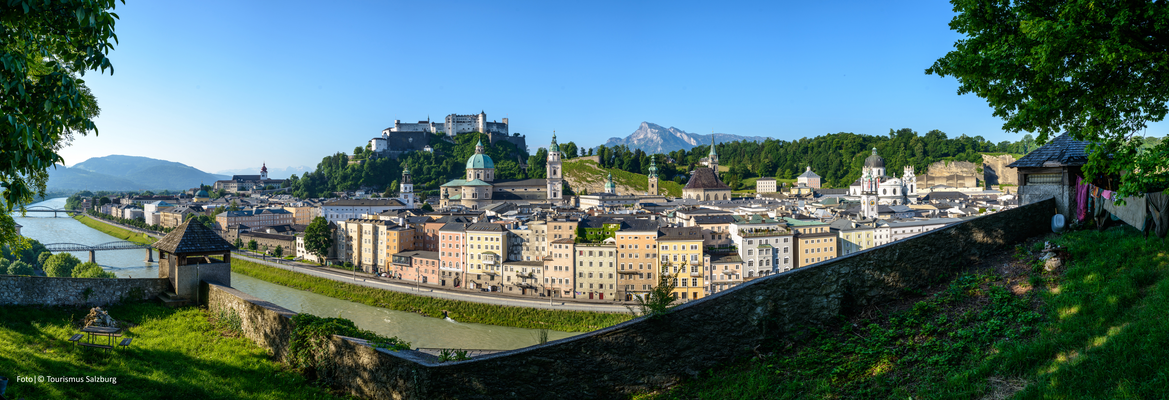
868	194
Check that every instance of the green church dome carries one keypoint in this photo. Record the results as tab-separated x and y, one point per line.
480	161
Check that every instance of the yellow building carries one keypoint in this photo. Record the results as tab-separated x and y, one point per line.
486	250
680	257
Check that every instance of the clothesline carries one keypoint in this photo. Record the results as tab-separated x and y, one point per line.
1095	202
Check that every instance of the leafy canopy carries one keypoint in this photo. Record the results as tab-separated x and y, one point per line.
47	46
318	238
1098	70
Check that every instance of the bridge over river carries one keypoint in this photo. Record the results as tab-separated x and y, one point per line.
55	211
118	245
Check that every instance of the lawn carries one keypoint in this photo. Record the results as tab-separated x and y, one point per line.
114	231
176	353
1093	329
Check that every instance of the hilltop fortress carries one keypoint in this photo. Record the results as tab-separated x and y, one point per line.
404	137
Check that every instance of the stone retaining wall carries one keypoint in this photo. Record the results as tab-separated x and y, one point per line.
40	290
264	322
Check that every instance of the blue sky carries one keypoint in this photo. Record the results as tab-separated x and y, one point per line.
230	84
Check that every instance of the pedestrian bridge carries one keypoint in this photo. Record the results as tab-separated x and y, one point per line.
118	245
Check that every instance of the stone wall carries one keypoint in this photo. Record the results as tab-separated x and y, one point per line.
40	290
957	174
996	172
265	323
649	354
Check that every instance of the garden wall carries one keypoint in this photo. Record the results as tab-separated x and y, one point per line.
264	322
40	290
647	354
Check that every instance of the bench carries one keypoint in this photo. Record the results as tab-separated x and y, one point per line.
125	343
97	346
75	338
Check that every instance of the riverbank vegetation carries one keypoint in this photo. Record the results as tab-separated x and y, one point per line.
176	353
1091	329
118	232
462	311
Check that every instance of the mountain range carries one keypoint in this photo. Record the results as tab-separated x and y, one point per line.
118	172
653	138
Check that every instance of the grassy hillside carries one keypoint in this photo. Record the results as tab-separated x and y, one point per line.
1093	329
585	174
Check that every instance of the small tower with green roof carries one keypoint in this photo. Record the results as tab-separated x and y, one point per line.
554	172
653	175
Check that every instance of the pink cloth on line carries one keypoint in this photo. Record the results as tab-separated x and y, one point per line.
1081	199
1107	194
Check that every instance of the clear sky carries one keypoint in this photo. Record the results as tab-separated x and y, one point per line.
230	84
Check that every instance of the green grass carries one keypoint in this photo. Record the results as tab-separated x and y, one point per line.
462	311
588	171
176	353
1096	330
115	231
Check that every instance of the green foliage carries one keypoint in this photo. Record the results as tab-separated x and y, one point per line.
308	349
429	169
658	301
584	170
91	270
227	319
19	268
46	46
61	265
318	238
445	355
1093	69
462	311
137	223
252	245
44	256
427	207
279	251
239	243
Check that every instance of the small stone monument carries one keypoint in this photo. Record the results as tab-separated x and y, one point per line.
99	317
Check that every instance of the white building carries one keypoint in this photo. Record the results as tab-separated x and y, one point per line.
342	210
886	189
765	245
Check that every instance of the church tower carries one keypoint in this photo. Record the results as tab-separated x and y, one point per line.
653	175
264	172
869	194
554	171
407	188
713	160
909	182
610	187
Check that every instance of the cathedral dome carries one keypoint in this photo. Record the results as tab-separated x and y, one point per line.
480	161
875	161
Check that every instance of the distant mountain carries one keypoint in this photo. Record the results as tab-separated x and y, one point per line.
653	138
274	173
117	172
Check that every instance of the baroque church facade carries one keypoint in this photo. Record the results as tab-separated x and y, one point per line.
876	188
480	188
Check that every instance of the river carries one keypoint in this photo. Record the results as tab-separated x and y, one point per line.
420	331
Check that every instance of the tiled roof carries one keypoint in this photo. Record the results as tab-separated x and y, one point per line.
1063	150
704	178
192	238
360	203
521	182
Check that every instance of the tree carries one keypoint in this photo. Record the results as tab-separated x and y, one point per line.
279	251
61	265
1093	69
427	207
239	243
47	46
318	239
252	245
19	268
43	257
91	270
658	301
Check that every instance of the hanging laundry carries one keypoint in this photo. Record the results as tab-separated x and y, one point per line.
1133	212
1107	194
1081	199
1158	206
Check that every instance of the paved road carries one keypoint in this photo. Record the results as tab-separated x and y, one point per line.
406	287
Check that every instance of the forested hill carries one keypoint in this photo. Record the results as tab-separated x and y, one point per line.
836	157
448	161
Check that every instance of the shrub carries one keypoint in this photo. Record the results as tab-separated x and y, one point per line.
61	265
43	257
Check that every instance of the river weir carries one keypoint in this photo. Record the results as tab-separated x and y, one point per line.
419	330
